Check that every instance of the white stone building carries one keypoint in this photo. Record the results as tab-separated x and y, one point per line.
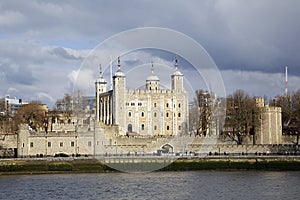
149	112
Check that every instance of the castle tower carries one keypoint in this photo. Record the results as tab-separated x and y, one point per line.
152	82
119	98
177	79
100	86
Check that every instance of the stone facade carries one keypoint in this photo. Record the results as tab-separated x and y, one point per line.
269	130
150	111
31	143
138	121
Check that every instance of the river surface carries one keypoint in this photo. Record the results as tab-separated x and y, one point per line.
155	185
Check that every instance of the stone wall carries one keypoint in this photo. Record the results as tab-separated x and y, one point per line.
270	129
105	140
8	141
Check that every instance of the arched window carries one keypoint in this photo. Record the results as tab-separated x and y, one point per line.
143	114
155	127
129	114
179	105
155	114
129	128
167	115
154	104
168	127
143	127
179	114
167	105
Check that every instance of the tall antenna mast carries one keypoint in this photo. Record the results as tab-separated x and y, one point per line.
110	67
286	81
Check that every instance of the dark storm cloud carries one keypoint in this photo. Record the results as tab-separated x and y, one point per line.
61	52
258	37
249	35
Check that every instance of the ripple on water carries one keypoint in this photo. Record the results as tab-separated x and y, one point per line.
155	185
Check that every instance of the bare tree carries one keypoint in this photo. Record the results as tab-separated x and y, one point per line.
33	114
6	119
64	107
204	103
241	116
290	107
193	118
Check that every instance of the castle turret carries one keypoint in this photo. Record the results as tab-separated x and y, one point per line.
100	86
152	82
177	79
119	98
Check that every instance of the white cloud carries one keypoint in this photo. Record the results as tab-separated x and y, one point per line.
250	41
11	18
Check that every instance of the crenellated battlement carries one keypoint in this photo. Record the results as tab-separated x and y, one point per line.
143	91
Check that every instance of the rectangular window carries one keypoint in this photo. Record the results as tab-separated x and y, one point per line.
49	144
72	144
61	144
89	143
31	144
23	145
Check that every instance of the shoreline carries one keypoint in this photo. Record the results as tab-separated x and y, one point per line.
91	165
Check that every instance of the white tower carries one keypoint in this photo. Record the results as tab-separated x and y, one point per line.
119	98
152	82
100	86
177	78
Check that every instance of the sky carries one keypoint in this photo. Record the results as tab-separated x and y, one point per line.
44	43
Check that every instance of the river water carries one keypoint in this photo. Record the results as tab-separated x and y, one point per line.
155	185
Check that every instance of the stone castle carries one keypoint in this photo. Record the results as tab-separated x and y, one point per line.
150	111
138	121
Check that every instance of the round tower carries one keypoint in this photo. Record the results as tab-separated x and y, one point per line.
152	82
177	78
